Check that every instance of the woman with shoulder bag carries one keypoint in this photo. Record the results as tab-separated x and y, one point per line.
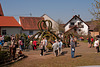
72	44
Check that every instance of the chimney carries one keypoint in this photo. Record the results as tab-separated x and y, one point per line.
78	15
1	11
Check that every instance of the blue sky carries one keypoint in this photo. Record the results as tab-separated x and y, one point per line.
56	9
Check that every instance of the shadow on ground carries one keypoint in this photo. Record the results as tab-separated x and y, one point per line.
63	53
78	46
48	53
78	56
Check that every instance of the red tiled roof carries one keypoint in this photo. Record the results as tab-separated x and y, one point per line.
8	21
1	11
30	23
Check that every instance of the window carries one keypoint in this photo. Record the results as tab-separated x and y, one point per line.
79	23
30	32
82	26
75	18
72	23
3	32
79	30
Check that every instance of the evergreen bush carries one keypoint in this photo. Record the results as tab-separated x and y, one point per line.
7	38
4	56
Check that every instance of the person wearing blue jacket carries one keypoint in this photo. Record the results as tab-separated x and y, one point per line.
72	44
1	42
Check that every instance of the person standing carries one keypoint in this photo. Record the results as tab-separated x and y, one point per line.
14	49
92	41
11	47
72	44
42	48
89	41
1	42
45	43
20	44
22	39
55	47
60	46
34	44
30	44
96	45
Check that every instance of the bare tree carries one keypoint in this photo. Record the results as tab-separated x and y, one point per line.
59	21
95	11
60	25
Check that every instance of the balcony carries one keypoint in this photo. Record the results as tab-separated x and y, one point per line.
79	26
71	26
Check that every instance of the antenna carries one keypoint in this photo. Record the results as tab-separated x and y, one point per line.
73	11
30	14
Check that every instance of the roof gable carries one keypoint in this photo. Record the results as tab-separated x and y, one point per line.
6	21
77	18
1	11
30	23
48	17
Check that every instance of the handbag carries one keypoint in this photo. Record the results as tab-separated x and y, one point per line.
41	46
73	49
20	42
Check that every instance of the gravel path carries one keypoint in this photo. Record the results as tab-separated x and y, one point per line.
84	56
